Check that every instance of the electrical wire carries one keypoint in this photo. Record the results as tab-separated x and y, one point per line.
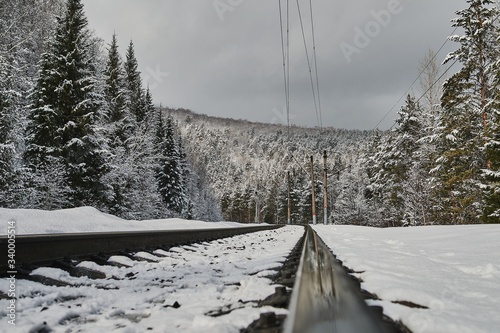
316	63
285	56
415	81
422	96
440	77
288	63
308	64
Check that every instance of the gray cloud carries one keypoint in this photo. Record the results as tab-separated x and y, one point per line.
233	67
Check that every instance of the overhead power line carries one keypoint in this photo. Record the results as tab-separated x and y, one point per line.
309	65
415	81
316	64
435	82
432	85
284	53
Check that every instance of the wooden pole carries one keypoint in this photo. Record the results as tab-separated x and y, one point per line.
289	203
312	184
257	208
325	198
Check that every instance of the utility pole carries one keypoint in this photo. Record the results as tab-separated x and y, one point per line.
257	220
289	203
325	188
312	184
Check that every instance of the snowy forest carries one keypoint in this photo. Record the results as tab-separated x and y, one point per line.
78	128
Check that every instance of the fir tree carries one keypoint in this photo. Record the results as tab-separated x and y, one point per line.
64	112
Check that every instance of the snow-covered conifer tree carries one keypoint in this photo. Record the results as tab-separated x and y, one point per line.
135	92
468	104
169	174
65	107
398	176
7	143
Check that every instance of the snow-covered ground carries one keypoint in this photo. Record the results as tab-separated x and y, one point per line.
209	287
88	219
454	271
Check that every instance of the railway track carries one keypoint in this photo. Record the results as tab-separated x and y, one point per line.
196	280
324	298
165	283
43	249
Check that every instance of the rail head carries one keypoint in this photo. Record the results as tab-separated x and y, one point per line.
323	298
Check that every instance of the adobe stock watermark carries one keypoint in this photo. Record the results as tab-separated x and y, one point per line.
154	77
363	37
223	6
11	272
280	117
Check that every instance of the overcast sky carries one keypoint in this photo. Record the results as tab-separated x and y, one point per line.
223	57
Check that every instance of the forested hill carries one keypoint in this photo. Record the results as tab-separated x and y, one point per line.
244	161
79	128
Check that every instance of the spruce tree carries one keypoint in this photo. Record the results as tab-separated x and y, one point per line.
186	177
7	144
65	106
24	29
169	175
115	96
135	92
399	182
412	164
120	127
468	104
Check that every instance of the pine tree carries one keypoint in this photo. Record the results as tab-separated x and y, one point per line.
468	110
65	107
491	188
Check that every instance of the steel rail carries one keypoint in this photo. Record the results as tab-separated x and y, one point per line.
45	248
324	299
